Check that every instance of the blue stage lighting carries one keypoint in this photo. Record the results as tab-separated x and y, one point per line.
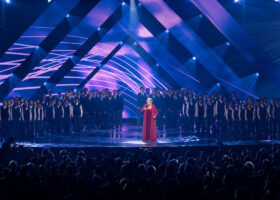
135	43
218	84
139	4
167	31
194	58
257	74
157	65
121	43
98	29
49	1
123	3
200	15
228	43
8	1
68	15
236	1
277	0
45	83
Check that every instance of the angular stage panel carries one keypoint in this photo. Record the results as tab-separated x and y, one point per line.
33	36
65	49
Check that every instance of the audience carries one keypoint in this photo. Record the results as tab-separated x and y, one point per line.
211	173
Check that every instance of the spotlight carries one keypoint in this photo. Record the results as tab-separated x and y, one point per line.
139	4
98	29
257	74
45	83
135	43
49	1
236	1
8	1
121	43
218	84
37	47
200	15
123	3
68	15
228	43
277	0
75	90
194	58
157	65
167	31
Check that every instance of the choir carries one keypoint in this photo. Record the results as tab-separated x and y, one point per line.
216	115
74	112
61	114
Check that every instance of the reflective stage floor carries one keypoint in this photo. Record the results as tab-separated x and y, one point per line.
131	136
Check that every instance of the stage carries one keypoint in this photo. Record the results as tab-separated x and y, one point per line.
131	136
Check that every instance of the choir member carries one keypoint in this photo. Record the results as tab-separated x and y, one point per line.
89	109
210	114
160	105
148	94
109	109
242	120
68	116
11	126
184	113
220	112
190	114
59	115
169	108
95	109
249	117
16	119
115	102
50	117
176	110
4	118
200	115
77	115
271	118
50	97
229	113
120	108
266	125
103	117
236	121
40	117
32	118
263	118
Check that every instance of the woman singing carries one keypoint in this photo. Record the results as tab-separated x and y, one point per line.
149	122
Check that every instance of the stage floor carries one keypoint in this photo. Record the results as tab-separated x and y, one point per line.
131	136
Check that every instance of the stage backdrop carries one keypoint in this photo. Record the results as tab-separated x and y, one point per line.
152	44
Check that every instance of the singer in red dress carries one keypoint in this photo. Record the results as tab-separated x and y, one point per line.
149	122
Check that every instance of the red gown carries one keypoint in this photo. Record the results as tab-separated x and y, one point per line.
149	124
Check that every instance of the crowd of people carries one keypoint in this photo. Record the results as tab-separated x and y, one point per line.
213	114
205	114
178	173
72	112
